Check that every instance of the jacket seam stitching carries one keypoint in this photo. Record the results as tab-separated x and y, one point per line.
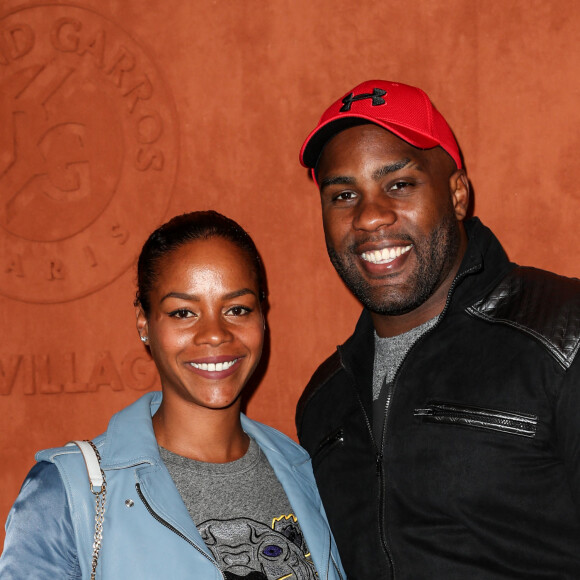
565	361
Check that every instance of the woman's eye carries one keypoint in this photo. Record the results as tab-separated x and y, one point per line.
181	313
238	311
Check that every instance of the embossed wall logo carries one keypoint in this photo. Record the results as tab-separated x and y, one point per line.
88	152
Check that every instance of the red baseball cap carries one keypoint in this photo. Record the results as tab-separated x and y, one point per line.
402	109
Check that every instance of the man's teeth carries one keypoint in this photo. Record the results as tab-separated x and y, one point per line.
214	367
385	255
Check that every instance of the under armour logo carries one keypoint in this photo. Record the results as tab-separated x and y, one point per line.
376	96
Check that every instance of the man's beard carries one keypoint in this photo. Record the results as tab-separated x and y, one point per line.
435	257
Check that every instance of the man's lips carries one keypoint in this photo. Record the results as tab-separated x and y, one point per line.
385	255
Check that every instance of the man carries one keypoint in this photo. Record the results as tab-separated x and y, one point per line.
445	432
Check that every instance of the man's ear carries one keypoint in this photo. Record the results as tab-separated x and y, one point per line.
142	325
459	188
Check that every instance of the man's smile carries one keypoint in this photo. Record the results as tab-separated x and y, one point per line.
385	255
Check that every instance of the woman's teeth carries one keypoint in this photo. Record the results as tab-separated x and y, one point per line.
214	367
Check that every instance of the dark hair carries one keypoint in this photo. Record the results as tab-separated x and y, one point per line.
186	228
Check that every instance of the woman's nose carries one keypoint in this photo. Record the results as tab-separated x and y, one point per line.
212	329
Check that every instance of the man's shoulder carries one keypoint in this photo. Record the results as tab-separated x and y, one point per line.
542	304
328	369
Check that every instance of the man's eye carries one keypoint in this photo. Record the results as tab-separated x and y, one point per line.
344	196
399	185
181	313
238	311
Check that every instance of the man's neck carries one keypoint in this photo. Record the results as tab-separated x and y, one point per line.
388	326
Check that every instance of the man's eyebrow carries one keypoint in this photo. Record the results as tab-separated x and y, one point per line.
337	180
390	168
196	298
378	174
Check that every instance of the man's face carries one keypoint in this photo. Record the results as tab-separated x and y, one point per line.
391	218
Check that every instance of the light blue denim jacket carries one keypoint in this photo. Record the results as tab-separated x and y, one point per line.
148	532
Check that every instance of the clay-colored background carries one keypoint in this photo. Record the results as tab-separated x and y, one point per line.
233	88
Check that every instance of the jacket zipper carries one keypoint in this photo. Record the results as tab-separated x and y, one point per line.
326	444
380	451
379	468
520	424
173	529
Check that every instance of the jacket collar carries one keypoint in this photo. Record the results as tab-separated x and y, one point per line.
129	439
484	265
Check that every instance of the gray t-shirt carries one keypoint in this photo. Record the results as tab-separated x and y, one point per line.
243	515
389	354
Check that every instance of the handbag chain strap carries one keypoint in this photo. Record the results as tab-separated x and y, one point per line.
100	499
98	485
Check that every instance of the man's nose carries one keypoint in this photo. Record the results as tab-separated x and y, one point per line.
374	212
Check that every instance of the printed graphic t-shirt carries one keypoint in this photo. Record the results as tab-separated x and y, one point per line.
243	515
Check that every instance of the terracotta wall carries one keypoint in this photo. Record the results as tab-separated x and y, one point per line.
116	114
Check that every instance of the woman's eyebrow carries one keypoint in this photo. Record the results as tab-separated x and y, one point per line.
196	298
181	296
240	292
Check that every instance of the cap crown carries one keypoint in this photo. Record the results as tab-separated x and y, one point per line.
402	109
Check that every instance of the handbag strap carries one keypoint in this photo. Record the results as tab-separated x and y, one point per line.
92	462
98	485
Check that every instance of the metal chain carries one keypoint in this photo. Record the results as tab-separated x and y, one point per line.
100	498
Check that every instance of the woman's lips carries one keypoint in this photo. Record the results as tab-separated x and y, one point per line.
217	367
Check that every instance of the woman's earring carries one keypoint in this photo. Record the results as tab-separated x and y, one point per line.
144	339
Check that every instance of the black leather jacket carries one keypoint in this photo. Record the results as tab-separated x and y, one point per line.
478	472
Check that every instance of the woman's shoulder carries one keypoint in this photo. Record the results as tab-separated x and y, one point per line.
39	515
45	478
268	436
67	458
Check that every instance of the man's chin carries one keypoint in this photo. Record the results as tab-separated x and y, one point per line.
390	310
389	301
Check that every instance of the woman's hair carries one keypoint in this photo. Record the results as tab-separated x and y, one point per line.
186	228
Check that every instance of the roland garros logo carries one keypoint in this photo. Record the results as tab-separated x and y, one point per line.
88	152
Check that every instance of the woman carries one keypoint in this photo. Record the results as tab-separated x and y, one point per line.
194	489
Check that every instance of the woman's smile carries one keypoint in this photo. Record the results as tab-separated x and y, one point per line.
215	368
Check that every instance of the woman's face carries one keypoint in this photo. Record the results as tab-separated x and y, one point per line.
205	326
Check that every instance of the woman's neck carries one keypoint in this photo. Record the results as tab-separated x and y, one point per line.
210	435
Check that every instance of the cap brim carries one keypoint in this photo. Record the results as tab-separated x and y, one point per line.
316	141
